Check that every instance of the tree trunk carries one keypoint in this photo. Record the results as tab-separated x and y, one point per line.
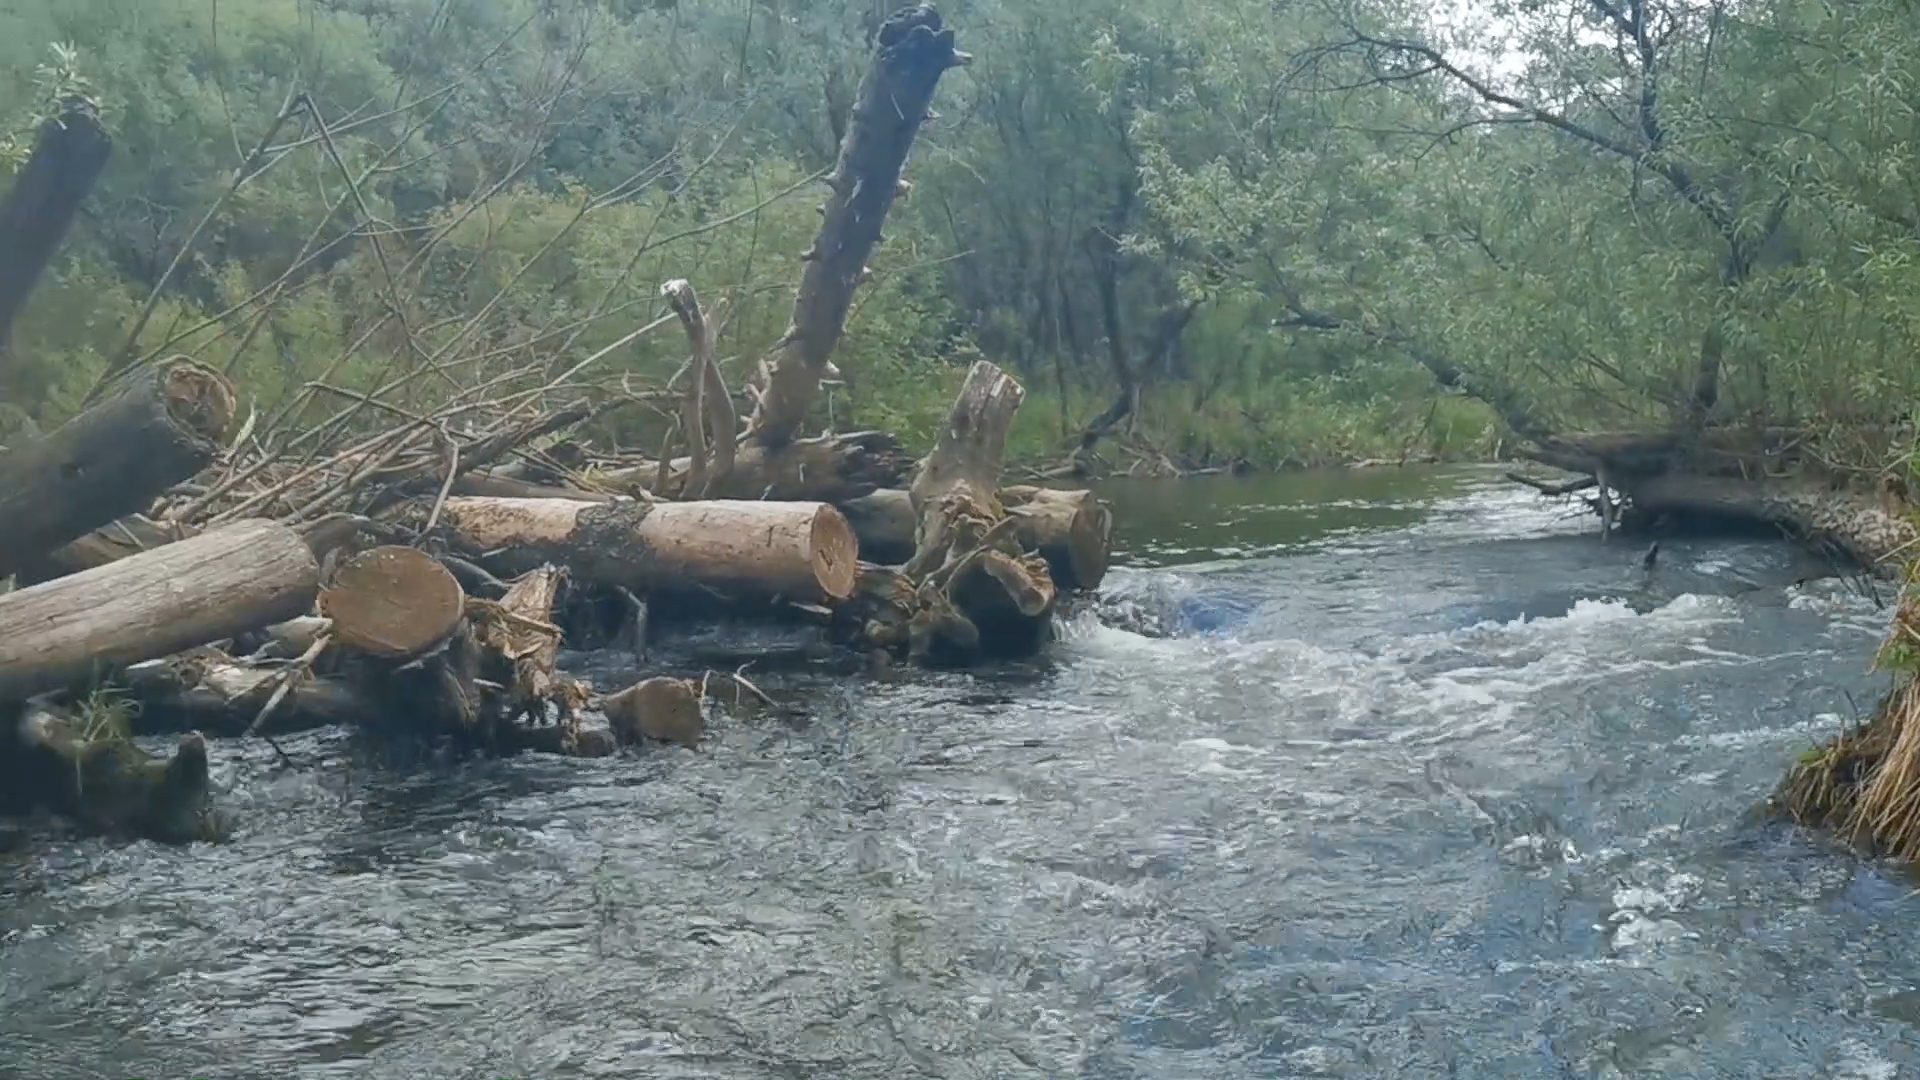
205	690
802	551
977	595
128	536
1072	530
393	603
913	49
68	156
832	468
111	461
232	579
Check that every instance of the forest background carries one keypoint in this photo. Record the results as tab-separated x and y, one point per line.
1205	233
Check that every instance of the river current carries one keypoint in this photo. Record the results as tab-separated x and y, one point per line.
1414	778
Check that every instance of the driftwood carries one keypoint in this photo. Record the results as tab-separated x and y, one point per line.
803	552
1072	530
163	426
208	691
912	50
69	153
157	603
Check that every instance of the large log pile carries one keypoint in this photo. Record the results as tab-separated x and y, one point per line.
416	573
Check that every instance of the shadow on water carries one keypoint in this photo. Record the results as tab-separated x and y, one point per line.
1420	780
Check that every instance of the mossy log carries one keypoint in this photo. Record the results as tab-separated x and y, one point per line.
163	425
799	551
236	578
86	769
1072	530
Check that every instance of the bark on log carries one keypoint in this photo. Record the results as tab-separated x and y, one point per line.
68	156
1860	526
163	426
912	51
128	536
1073	530
232	579
86	770
660	708
804	551
832	468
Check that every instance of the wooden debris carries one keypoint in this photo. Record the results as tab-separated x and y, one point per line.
662	709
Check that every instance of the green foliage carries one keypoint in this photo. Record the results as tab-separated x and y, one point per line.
1277	222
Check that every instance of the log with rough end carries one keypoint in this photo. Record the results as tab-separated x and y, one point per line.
662	709
975	593
162	426
226	581
803	552
393	603
1072	530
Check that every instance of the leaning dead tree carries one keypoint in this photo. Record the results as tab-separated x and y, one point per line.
69	153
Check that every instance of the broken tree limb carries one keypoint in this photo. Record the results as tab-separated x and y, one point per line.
707	415
912	50
801	551
163	425
207	691
69	153
225	581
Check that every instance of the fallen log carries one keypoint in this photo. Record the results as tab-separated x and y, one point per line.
976	594
911	51
225	581
1072	530
85	768
162	426
831	468
69	153
1862	527
128	536
802	551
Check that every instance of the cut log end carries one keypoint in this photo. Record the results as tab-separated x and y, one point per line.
395	603
662	709
835	553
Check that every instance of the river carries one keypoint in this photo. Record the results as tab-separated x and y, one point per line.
1423	781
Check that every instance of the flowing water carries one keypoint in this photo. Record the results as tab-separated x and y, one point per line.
1423	781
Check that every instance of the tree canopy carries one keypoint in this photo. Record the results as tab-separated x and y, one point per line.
1237	230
